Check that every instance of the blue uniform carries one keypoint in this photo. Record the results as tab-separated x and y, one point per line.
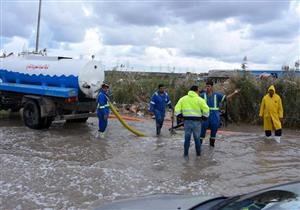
103	110
158	105
213	121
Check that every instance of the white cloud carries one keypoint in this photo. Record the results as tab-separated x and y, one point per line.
91	44
193	35
16	44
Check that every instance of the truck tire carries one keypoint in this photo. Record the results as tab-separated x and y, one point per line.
32	115
46	122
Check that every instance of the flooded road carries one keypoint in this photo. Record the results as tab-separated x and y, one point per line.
67	167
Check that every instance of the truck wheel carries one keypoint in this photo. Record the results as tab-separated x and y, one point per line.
79	120
46	122
32	115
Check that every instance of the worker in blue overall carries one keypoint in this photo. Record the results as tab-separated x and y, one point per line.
103	108
213	100
159	100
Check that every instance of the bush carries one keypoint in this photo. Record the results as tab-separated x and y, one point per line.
139	87
129	88
245	107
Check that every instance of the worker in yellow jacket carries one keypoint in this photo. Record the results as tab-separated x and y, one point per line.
193	109
271	112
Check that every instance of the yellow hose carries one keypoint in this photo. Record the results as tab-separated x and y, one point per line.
113	109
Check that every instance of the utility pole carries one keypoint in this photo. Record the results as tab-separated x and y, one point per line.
38	28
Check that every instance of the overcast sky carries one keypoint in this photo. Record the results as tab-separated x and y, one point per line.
187	35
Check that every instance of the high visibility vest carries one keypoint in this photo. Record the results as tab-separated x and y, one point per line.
105	105
102	107
215	107
192	105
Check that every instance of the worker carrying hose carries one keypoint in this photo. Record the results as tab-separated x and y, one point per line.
159	100
103	109
193	109
213	100
271	112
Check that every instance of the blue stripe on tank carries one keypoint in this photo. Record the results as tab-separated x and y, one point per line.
45	80
39	90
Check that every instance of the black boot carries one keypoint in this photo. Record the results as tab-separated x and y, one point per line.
212	142
158	128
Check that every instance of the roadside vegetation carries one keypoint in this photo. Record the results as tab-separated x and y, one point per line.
136	88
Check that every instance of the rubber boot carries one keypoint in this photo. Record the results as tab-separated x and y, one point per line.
277	139
158	128
186	157
212	142
100	134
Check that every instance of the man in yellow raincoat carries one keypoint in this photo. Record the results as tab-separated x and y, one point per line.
271	112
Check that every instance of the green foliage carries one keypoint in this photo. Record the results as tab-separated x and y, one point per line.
244	107
138	87
289	90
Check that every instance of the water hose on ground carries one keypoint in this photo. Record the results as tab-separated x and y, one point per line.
127	118
128	127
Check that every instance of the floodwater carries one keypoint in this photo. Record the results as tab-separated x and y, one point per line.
67	167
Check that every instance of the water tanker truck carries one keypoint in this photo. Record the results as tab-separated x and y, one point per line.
48	88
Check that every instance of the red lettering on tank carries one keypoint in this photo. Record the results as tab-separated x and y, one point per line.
34	67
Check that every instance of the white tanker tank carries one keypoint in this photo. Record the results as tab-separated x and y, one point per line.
49	88
86	76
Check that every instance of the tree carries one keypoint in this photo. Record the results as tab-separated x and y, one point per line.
285	67
297	64
244	64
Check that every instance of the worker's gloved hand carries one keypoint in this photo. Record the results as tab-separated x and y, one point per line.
203	118
179	116
105	117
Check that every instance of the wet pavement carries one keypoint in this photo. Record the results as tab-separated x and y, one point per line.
68	167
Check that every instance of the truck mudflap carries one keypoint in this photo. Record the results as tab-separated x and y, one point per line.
75	116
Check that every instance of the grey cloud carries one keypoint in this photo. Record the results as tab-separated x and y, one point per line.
133	19
278	30
133	52
137	51
61	21
164	12
207	52
198	53
134	23
141	13
128	35
66	21
249	11
16	19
